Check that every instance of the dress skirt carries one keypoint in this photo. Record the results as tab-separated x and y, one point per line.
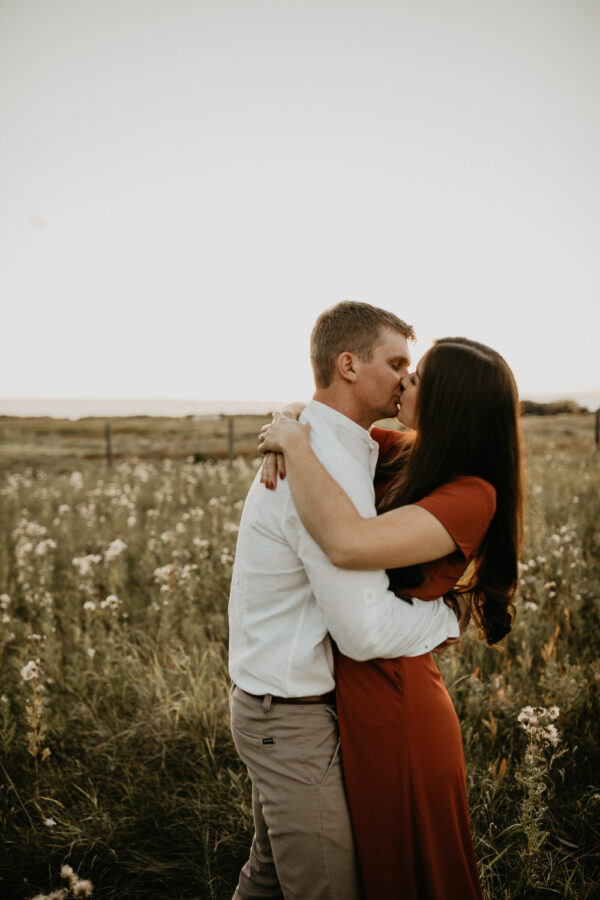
405	777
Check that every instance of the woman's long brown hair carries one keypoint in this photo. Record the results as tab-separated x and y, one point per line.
467	423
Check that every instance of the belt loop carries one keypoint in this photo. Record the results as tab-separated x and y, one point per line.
267	704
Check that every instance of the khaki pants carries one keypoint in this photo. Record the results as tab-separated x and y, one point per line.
303	847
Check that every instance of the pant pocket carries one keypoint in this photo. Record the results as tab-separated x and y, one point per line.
333	763
322	744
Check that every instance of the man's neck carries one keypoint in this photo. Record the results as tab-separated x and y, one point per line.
344	404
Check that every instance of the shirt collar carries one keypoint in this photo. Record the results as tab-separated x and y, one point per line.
337	419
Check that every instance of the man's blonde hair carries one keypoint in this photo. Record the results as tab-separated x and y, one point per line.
353	328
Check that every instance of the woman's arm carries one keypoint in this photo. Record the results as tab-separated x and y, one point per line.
402	537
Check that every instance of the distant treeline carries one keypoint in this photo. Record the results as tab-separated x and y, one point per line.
531	408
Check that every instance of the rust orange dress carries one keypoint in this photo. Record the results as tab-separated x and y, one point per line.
401	743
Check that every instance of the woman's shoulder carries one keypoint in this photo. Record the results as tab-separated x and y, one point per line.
388	439
470	490
472	484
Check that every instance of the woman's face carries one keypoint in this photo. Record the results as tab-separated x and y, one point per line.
408	399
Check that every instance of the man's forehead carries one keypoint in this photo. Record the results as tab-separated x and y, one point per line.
394	345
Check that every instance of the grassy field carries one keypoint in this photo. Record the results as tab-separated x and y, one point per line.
115	753
46	440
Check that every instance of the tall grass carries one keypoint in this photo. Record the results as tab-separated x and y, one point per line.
115	752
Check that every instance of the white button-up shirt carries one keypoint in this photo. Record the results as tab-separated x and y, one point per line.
287	597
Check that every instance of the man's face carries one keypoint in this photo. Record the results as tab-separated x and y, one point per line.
378	381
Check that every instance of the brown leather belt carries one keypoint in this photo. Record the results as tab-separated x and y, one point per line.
300	701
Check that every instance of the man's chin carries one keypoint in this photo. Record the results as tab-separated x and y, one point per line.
391	412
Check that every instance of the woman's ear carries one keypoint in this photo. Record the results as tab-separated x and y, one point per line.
346	366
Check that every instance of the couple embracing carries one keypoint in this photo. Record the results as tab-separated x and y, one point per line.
360	552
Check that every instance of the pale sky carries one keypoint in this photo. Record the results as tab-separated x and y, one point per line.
186	184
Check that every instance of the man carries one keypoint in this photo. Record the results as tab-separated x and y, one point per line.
287	598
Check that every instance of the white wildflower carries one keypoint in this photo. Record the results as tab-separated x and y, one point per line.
531	720
111	602
531	605
91	652
84	564
550	734
31	670
82	888
131	521
67	873
5	619
528	716
49	822
23	548
142	472
4	601
163	573
89	606
76	480
115	548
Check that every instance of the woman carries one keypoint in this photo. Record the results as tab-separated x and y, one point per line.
449	498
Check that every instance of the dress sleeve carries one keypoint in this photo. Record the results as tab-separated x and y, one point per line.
465	507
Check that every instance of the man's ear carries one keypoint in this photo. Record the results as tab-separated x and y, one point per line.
346	366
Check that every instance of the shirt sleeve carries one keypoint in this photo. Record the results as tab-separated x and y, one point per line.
465	507
362	615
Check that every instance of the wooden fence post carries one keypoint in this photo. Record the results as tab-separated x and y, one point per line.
109	453
230	438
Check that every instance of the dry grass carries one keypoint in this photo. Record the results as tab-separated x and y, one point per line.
115	755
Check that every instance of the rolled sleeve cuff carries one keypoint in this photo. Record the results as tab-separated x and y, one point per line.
448	629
